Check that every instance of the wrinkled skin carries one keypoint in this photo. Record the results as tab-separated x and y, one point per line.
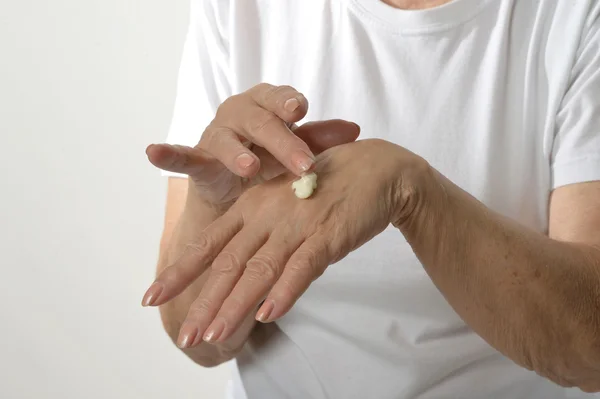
253	138
272	245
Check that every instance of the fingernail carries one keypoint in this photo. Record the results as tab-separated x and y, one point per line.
244	161
214	331
265	311
186	336
291	105
152	294
149	148
357	126
302	161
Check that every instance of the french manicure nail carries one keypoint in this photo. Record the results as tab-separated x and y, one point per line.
187	336
291	105
152	294
214	331
265	311
302	161
244	161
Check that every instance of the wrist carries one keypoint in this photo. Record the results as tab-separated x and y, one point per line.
413	190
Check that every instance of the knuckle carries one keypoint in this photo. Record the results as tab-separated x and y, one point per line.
280	94
201	245
261	121
310	262
207	137
200	307
230	309
270	96
265	93
227	263
334	250
228	105
263	267
287	89
212	136
287	290
262	87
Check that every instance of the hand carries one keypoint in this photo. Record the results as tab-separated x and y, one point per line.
252	139
271	244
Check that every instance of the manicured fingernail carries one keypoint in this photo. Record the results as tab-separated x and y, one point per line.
244	161
214	331
302	161
186	336
291	105
152	294
265	311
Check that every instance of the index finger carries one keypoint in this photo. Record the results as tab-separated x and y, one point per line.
284	101
267	125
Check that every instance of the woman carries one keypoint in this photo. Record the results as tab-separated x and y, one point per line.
464	226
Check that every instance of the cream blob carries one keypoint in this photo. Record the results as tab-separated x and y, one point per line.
305	186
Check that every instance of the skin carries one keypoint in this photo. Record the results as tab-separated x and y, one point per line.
216	180
533	297
218	175
268	227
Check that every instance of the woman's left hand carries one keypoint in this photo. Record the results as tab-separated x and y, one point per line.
272	245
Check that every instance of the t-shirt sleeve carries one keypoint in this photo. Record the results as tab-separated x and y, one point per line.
203	80
576	150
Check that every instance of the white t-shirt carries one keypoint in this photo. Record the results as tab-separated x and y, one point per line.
501	96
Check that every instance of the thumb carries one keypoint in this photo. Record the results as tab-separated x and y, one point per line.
323	135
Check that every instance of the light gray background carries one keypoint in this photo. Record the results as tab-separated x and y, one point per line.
85	85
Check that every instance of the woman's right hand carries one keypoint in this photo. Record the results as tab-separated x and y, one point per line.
253	138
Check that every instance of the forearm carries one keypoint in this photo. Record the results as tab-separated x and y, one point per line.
534	299
178	233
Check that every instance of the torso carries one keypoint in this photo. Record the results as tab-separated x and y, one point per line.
474	88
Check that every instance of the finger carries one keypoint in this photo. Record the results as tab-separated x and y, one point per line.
179	158
319	136
226	147
266	112
261	273
284	101
306	264
322	135
194	260
266	124
267	130
226	270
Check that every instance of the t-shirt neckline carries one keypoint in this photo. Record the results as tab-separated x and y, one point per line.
446	16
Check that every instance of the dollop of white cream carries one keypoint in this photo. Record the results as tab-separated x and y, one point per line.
305	186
